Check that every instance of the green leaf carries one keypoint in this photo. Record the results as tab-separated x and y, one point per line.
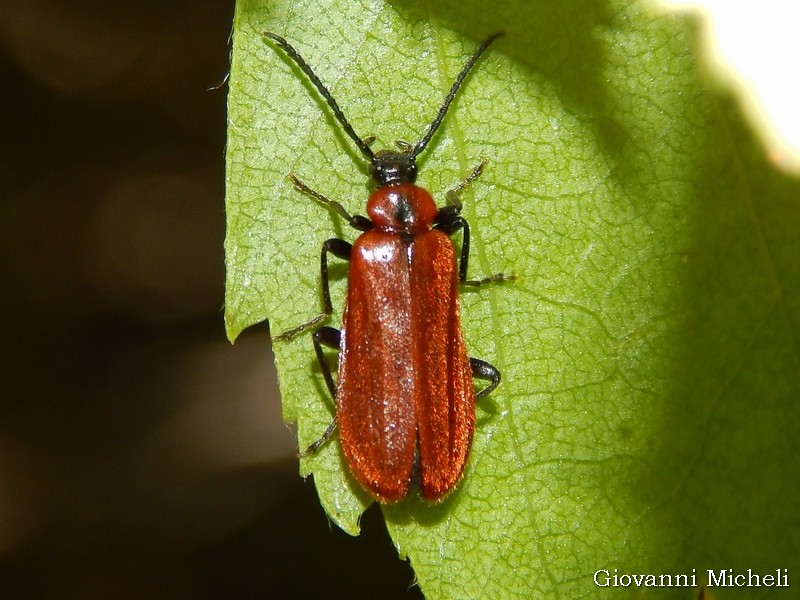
648	415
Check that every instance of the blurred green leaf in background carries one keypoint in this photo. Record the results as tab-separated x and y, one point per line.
648	415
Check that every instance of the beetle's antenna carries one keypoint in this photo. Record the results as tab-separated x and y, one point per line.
420	146
337	112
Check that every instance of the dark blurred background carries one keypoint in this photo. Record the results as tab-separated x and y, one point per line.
141	455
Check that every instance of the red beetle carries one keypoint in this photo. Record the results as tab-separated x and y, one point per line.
405	403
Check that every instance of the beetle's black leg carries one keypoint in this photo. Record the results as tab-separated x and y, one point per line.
359	222
335	246
312	449
449	220
449	227
483	370
340	249
330	337
452	210
453	195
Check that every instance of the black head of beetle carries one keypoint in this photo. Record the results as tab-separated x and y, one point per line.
391	166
